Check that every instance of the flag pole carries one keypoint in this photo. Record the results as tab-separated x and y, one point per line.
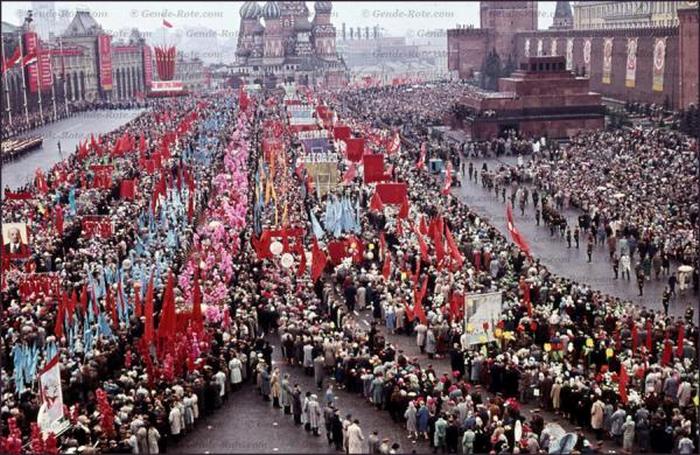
38	79
63	74
7	90
53	93
24	82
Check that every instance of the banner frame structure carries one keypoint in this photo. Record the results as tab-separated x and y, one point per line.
471	305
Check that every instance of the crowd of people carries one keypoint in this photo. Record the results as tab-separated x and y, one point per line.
557	344
21	124
99	343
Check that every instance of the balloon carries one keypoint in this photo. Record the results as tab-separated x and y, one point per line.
370	255
470	327
287	260
276	248
609	352
370	246
547	347
589	342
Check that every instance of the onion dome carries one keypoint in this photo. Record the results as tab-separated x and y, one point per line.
271	10
250	10
323	7
302	24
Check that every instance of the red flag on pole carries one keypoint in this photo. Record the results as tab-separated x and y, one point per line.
454	249
376	203
166	327
58	327
302	263
649	335
418	304
403	210
515	235
622	383
386	269
350	174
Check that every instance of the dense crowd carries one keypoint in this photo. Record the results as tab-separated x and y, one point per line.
557	344
22	125
100	342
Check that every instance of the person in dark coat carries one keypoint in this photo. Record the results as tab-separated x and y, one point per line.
452	436
337	430
296	404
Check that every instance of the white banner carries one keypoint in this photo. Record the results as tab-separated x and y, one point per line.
50	417
480	309
569	54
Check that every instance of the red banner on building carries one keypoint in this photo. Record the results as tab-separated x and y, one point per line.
31	47
104	51
147	65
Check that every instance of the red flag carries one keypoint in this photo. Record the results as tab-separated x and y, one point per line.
454	249
382	242
58	326
148	334
515	235
423	227
681	336
318	261
437	226
302	263
456	305
350	174
83	299
376	203
418	304
166	327
399	227
622	383
403	210
167	24
409	312
416	275
421	244
386	270
12	61
197	317
59	219
29	59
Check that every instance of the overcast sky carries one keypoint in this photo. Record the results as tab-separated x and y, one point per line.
397	18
